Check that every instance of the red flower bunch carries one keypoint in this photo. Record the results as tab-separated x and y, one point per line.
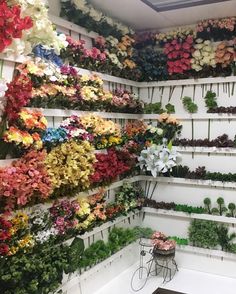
11	24
5	235
25	181
108	167
18	94
179	54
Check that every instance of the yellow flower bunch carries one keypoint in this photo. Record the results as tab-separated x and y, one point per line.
99	126
71	164
86	223
95	80
84	207
126	41
26	241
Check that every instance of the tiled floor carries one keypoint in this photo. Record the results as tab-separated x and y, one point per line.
186	281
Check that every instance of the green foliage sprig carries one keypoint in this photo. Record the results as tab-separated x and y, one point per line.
210	100
189	105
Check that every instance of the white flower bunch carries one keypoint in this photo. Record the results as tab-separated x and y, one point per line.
44	236
158	159
203	55
153	130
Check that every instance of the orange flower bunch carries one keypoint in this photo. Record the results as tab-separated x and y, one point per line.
224	54
32	119
135	127
96	198
23	139
169	119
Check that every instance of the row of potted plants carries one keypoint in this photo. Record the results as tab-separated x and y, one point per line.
221	209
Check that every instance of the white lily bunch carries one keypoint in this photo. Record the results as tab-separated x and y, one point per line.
204	54
158	159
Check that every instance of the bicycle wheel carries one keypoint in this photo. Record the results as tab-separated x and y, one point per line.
139	278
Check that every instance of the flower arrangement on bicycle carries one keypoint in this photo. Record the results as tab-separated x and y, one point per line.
162	245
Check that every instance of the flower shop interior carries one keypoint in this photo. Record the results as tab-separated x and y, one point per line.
117	146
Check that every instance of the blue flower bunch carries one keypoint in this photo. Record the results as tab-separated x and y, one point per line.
48	54
54	136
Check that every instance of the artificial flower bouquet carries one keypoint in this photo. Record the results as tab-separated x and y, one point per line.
24	133
126	101
158	159
170	125
162	245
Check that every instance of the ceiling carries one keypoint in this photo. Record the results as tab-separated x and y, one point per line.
141	17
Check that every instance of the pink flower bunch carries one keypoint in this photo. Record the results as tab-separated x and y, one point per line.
63	215
25	181
100	42
69	70
160	241
224	23
95	54
75	130
179	55
75	44
125	98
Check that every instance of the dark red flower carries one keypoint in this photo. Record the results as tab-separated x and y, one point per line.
4	249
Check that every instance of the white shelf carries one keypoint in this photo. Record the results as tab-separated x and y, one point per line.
179	214
208	252
68	112
189	82
183	181
212	150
